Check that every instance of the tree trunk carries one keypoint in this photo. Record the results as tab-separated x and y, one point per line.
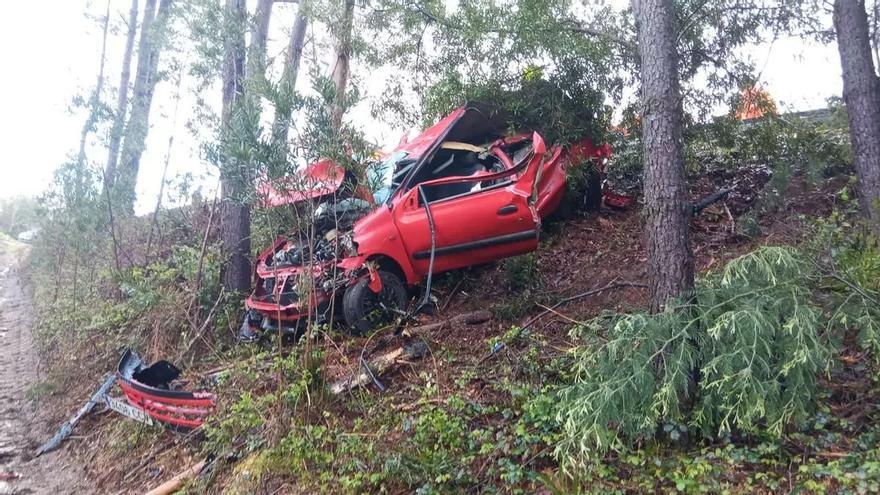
259	34
149	49
668	208
861	93
284	105
92	119
235	212
341	68
122	99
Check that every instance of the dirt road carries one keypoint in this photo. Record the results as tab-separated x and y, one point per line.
20	431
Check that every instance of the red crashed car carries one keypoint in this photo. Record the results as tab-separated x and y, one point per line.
462	193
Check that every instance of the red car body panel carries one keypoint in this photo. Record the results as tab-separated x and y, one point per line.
181	409
178	408
499	220
422	143
322	178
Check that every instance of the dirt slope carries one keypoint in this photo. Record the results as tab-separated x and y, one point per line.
20	427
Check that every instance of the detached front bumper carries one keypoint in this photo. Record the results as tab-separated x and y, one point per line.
150	389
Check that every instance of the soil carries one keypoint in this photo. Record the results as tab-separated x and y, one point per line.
22	428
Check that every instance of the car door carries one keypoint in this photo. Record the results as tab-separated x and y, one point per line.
491	223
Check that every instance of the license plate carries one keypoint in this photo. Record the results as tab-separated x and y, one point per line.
128	410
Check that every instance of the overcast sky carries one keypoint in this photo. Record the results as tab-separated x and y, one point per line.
51	50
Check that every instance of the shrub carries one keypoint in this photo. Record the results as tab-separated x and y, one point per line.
852	269
742	356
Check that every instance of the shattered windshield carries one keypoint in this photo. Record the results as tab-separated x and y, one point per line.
385	176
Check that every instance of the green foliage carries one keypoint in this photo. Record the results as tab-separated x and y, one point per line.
563	107
454	46
814	145
522	272
849	257
492	46
130	436
247	401
583	190
522	276
751	334
41	389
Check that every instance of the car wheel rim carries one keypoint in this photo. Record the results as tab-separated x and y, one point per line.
381	307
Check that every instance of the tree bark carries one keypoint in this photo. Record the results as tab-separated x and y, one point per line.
259	34
341	68
121	100
668	208
149	49
234	178
861	93
287	88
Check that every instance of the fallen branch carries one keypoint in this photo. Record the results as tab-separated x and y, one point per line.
610	286
378	365
472	318
712	198
85	409
564	317
176	482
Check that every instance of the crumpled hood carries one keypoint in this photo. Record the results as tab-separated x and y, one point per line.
316	180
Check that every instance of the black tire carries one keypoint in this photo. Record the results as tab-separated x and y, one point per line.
593	195
363	308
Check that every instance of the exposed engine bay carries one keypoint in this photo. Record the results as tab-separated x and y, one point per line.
328	239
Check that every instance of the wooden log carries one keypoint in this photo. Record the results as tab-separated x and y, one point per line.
176	482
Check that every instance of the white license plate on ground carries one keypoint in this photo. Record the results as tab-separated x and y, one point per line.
128	410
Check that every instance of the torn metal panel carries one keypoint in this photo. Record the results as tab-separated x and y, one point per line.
151	390
67	428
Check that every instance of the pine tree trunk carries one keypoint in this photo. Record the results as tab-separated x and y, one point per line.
341	68
235	212
149	49
284	107
668	208
861	93
122	99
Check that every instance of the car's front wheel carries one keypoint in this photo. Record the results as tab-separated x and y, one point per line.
365	309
